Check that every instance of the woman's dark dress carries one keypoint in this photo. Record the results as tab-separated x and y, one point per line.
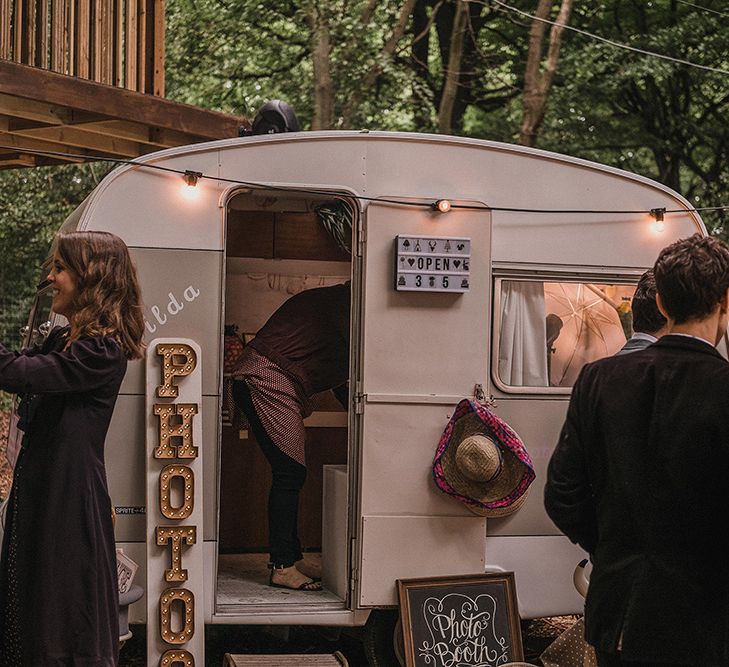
59	598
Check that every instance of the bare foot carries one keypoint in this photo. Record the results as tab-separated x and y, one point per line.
309	568
290	577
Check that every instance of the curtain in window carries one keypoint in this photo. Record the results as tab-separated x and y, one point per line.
523	339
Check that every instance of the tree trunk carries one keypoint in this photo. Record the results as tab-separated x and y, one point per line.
536	82
453	71
323	118
352	105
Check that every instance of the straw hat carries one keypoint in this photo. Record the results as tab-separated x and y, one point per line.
482	462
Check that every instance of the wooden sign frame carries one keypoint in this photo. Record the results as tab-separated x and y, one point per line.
463	620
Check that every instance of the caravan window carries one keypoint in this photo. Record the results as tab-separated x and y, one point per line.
547	331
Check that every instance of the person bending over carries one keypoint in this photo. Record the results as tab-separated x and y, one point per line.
302	349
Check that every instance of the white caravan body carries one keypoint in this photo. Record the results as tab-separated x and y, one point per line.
414	354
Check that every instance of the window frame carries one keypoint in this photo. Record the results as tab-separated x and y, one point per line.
626	277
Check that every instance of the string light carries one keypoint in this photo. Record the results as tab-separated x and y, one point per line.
197	175
191	177
658	219
442	205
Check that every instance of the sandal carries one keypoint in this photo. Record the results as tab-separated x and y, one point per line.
312	585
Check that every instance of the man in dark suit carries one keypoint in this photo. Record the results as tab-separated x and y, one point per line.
639	477
648	323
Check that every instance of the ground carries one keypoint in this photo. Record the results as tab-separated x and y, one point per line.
222	639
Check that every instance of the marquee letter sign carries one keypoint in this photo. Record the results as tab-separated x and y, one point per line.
175	615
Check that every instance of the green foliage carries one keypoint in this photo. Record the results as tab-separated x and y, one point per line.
33	205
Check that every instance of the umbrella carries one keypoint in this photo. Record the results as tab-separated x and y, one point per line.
591	326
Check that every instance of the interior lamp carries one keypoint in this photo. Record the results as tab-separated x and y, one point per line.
658	223
441	205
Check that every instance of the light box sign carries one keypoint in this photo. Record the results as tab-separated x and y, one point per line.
432	264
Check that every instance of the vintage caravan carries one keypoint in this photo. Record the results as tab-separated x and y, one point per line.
223	233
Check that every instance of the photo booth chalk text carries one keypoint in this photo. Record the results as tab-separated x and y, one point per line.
466	621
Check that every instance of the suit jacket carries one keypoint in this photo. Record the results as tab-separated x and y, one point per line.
639	480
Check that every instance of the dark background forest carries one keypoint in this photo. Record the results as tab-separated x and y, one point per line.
495	70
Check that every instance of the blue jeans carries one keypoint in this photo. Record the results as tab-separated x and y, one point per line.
288	478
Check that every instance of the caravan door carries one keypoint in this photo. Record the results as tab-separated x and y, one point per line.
420	353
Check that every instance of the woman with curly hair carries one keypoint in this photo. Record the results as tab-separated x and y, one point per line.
59	599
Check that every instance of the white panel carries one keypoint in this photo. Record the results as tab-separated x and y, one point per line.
543	568
158	557
424	343
538	423
397	460
337	160
508	176
182	294
407	547
150	208
335	574
124	452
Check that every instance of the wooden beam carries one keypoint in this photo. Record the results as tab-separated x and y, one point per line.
8	160
18	143
79	138
44	113
78	94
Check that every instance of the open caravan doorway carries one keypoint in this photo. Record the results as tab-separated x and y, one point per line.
279	243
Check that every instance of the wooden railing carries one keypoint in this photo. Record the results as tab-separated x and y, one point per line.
116	42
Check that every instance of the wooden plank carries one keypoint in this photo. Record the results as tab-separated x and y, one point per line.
137	132
301	236
21	108
158	50
83	39
303	659
107	42
142	45
118	26
70	31
130	45
57	36
250	234
41	44
79	138
29	45
96	39
5	34
8	160
18	30
78	94
20	143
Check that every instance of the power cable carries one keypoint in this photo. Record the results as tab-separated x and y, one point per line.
706	9
191	177
611	42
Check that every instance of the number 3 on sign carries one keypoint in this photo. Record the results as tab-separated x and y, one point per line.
418	281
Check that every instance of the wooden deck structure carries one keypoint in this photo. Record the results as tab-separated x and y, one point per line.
86	77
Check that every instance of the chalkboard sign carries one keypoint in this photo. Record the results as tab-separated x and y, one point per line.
467	621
